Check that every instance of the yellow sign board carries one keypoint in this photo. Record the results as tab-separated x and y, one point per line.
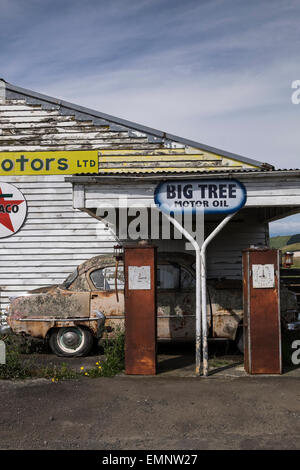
68	162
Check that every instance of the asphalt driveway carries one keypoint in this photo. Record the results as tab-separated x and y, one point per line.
227	410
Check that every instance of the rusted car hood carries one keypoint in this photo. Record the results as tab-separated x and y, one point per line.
50	302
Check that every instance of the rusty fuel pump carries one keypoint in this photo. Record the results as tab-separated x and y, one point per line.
140	309
262	329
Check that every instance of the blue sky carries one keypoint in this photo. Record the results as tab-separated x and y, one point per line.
219	72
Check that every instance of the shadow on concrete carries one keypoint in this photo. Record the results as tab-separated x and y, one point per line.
179	358
172	356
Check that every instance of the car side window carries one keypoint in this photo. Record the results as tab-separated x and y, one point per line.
104	278
168	276
173	277
187	280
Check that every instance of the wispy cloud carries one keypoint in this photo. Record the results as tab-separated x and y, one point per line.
216	71
288	226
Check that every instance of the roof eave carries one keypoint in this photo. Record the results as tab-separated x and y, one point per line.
127	178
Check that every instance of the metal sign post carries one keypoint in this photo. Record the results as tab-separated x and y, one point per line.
207	196
203	288
198	288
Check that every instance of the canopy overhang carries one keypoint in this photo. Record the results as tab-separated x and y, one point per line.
275	193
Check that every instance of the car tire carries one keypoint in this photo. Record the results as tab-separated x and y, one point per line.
72	341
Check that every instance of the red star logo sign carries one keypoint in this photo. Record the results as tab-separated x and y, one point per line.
5	200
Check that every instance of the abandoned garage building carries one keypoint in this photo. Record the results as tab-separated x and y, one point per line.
69	161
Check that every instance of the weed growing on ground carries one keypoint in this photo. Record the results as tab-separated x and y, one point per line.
14	368
114	353
17	368
56	373
24	344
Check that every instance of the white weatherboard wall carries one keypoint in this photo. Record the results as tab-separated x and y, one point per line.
53	241
56	238
261	192
224	254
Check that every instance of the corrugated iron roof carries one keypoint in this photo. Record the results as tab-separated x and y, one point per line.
94	177
191	170
153	135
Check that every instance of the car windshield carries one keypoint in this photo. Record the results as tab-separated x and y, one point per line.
70	279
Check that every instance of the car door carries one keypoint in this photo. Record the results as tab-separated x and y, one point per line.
175	299
107	294
175	302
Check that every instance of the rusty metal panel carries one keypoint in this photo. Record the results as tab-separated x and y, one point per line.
262	328
140	310
56	302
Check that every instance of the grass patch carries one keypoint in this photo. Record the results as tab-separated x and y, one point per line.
24	344
218	363
55	373
18	368
114	353
14	368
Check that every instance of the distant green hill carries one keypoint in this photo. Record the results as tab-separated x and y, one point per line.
294	239
280	241
293	247
286	243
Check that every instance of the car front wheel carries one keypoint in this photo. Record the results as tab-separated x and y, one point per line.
71	341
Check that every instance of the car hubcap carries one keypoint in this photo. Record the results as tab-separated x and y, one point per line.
70	339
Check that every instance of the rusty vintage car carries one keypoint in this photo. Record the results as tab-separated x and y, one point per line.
90	304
